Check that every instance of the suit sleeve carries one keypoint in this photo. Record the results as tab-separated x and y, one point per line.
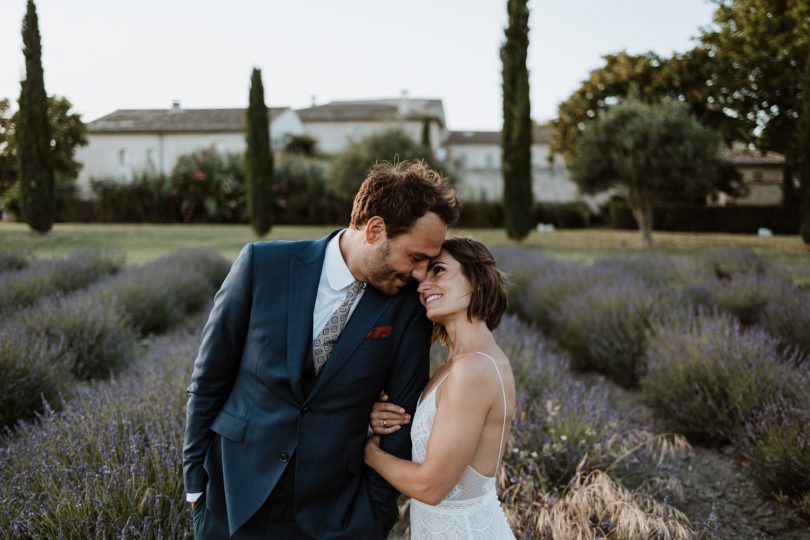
405	384
216	366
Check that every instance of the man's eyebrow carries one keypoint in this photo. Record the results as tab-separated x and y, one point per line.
421	256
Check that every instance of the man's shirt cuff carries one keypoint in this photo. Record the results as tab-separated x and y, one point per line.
192	497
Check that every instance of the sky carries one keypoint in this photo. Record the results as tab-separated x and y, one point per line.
105	55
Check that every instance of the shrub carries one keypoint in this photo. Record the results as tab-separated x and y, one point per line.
788	318
745	296
522	266
551	287
24	287
33	371
301	195
209	186
108	465
777	445
604	327
656	269
727	262
706	375
13	260
144	199
96	333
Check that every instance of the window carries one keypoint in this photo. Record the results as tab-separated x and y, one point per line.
122	156
757	176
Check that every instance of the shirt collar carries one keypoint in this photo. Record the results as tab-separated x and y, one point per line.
337	273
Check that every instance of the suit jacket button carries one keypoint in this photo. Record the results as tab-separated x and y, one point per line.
283	457
305	411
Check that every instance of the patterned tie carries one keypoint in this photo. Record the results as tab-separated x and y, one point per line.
325	341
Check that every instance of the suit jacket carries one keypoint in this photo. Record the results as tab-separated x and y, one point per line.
247	411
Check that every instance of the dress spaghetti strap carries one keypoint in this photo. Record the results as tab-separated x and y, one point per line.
503	391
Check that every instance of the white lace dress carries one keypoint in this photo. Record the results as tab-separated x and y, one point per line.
471	510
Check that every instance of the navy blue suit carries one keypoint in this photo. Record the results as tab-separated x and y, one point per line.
249	412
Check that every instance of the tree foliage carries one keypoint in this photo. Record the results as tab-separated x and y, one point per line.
350	168
763	45
692	78
258	159
648	154
37	179
516	136
804	153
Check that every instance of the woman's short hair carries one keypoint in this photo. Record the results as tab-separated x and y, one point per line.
489	298
401	193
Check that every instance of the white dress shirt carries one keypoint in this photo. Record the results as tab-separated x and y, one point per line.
332	288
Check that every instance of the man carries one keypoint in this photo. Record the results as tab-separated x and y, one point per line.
293	355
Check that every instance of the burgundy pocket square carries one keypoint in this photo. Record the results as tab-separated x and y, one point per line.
379	332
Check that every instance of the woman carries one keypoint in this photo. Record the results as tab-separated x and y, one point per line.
462	420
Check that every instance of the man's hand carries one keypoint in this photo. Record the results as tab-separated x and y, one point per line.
387	418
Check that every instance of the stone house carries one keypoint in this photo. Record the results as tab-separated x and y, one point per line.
761	176
131	141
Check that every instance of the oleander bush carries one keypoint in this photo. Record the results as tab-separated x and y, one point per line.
109	464
24	287
777	444
95	332
13	260
604	326
33	370
707	375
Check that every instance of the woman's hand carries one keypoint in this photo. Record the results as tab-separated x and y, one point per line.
372	446
387	418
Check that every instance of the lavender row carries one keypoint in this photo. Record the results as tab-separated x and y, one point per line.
90	334
24	287
714	340
108	465
13	260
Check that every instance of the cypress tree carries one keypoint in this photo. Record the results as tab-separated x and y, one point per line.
426	134
37	178
258	159
516	136
804	153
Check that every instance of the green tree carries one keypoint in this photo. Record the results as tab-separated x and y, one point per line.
764	44
804	152
426	134
37	178
689	77
516	136
647	153
258	159
350	168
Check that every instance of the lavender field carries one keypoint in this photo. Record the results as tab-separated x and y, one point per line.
659	397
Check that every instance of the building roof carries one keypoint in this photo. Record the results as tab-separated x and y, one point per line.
375	110
540	135
175	120
740	155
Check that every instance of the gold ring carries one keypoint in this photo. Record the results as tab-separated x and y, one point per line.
385	424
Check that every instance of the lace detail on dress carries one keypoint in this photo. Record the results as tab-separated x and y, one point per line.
471	510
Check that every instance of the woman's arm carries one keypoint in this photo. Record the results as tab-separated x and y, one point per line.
465	400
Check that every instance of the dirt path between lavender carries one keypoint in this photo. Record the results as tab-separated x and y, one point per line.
715	482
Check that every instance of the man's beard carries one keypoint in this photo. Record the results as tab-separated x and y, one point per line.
382	276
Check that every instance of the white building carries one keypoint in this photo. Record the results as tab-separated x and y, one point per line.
335	125
476	156
130	141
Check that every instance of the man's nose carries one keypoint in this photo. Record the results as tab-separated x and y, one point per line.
420	271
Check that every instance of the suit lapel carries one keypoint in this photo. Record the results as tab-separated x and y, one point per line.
367	312
304	276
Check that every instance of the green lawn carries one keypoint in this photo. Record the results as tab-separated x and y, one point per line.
146	242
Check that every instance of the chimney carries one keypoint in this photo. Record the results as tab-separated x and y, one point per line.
176	106
404	104
312	100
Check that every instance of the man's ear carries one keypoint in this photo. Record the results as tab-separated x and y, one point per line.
375	230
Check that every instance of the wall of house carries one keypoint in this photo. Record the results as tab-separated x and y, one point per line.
334	137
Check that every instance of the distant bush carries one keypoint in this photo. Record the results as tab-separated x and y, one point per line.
209	186
777	445
745	296
727	262
23	287
604	327
33	370
95	334
143	199
657	270
13	260
569	215
551	288
301	194
788	318
522	267
706	376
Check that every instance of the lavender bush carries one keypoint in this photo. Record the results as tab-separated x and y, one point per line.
109	464
94	332
745	296
655	269
776	442
13	260
522	266
604	326
788	318
726	262
707	376
32	371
